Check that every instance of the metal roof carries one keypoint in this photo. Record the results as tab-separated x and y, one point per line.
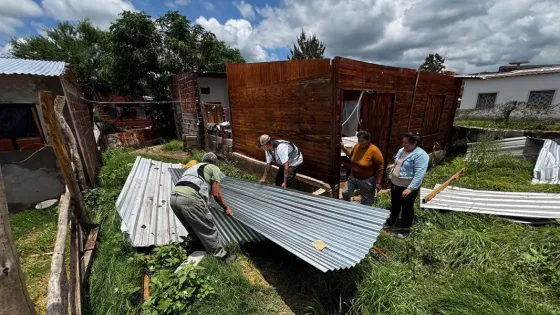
515	73
519	146
509	204
147	218
294	220
10	65
547	168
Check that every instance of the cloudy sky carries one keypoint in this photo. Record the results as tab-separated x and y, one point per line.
473	36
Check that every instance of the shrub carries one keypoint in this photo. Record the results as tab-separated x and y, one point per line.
167	257
173	146
175	292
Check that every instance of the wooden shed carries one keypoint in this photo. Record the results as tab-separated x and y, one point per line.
303	100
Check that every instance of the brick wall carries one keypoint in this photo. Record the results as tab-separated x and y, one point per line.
82	125
188	114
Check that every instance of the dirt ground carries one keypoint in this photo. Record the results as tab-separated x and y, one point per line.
158	150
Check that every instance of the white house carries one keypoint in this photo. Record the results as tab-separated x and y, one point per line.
535	86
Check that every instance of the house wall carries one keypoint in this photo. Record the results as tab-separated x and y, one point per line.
289	100
510	89
218	91
188	119
81	123
411	90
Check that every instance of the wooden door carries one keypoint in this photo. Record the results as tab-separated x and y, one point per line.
432	115
376	118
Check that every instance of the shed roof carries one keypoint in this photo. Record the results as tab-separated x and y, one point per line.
9	65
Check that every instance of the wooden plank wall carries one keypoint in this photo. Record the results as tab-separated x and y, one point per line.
289	100
406	85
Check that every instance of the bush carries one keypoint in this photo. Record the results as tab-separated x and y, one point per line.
175	292
173	146
167	257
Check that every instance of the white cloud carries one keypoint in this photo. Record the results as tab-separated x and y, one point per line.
100	12
177	3
473	36
40	28
246	9
209	5
12	11
6	50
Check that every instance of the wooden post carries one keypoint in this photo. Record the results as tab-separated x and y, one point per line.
14	298
436	191
58	285
59	103
55	141
75	265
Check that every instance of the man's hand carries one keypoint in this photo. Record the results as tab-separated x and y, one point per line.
284	185
378	187
406	192
228	212
262	181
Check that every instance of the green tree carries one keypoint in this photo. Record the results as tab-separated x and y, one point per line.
84	46
307	48
433	63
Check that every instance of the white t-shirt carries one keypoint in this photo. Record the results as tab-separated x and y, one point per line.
281	155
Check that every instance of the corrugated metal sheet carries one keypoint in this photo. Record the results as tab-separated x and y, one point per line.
147	217
231	230
519	146
547	168
515	73
294	220
509	204
10	65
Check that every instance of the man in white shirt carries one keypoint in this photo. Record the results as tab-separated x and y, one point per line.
284	154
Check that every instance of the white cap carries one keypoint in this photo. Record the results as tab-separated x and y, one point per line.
264	139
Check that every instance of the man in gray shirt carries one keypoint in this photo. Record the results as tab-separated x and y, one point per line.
284	154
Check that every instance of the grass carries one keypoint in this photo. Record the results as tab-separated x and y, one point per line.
454	263
172	146
512	125
34	234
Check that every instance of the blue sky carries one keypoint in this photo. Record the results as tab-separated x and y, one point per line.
472	36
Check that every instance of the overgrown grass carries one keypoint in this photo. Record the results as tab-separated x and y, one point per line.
511	125
172	146
34	234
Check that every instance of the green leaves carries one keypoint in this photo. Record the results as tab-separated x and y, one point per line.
175	292
433	63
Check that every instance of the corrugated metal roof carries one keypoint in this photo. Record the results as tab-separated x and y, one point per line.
519	146
10	65
509	204
294	220
147	217
547	168
515	73
231	230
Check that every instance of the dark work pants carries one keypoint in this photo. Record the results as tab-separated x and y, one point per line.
292	172
402	204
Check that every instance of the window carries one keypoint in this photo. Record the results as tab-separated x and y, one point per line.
540	98
204	90
486	100
19	127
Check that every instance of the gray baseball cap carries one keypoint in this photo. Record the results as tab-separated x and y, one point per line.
264	139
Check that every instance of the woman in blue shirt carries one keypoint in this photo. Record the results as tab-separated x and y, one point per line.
409	169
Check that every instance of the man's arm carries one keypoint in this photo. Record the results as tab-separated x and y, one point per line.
217	194
266	171
286	167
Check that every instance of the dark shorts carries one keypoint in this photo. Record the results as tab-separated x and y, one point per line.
292	172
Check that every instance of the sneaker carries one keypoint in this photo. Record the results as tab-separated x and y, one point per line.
231	258
403	235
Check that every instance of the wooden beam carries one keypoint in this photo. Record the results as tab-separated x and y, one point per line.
55	138
57	296
436	191
75	247
59	103
89	250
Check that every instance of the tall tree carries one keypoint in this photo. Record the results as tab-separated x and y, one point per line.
433	63
83	45
307	48
14	297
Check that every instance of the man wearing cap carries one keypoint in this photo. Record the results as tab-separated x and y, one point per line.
190	199
284	154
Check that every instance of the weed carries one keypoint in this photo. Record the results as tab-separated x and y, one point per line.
167	257
172	146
